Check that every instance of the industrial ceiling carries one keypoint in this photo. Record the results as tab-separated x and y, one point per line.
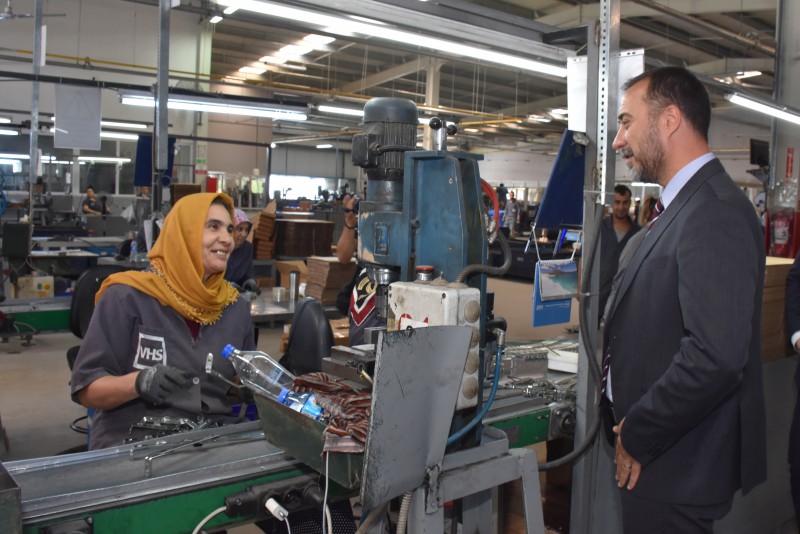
496	107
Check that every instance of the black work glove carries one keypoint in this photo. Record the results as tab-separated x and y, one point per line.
251	285
155	384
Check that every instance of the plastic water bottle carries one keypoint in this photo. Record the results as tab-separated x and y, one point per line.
259	371
264	375
134	250
305	403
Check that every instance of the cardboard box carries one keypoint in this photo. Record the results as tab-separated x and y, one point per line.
777	269
34	287
285	267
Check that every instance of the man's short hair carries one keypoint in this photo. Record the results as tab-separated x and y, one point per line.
622	190
678	86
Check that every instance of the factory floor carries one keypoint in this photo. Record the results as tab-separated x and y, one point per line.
36	411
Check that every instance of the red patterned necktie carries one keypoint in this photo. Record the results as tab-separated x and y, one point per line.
656	214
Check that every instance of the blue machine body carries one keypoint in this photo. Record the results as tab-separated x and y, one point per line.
439	222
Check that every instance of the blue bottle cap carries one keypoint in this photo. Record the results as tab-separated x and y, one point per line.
311	408
283	394
227	351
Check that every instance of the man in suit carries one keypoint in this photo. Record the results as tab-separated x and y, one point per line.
793	327
684	390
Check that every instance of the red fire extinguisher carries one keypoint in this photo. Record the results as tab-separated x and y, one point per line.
782	234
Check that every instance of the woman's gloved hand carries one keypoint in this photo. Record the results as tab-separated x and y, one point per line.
252	286
156	384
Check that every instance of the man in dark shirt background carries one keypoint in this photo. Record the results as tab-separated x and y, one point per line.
615	232
91	206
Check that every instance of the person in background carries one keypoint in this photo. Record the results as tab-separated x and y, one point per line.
240	264
502	194
91	206
356	299
145	351
511	217
648	207
793	327
682	389
615	232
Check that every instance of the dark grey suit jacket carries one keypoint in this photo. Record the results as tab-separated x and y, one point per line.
684	336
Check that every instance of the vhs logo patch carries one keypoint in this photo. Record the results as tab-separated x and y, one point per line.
151	351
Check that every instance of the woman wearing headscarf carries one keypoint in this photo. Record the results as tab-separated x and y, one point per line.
146	348
240	264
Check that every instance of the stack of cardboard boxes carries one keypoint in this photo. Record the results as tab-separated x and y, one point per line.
774	337
326	277
264	233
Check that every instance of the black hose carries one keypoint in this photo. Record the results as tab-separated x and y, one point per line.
469	270
594	367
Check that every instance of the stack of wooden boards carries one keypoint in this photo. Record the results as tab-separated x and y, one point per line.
775	342
302	238
326	276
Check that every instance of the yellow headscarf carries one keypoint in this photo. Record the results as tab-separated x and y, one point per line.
176	275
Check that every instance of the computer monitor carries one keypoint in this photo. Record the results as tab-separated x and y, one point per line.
16	240
62	203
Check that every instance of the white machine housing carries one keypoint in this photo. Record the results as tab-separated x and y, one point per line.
440	303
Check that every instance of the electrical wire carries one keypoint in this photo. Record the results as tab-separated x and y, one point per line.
288	526
478	418
325	497
79	429
208	518
594	367
329	518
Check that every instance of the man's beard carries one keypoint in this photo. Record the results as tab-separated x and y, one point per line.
650	158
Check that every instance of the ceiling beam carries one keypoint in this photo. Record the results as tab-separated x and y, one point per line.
392	73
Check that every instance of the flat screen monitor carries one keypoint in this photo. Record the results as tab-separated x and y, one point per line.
759	153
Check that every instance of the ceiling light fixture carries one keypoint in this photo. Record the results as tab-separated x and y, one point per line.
341	111
14	156
273	60
343	26
253	70
101	159
324	146
118	135
741	75
292	50
767	108
215	19
6	131
5	120
132	125
230	10
315	39
217	105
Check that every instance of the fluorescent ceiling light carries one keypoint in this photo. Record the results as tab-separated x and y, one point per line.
273	145
538	118
116	135
215	19
252	70
344	26
471	130
132	125
315	39
6	131
273	60
102	159
14	156
230	10
741	75
294	50
341	111
771	109
325	145
5	120
220	106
